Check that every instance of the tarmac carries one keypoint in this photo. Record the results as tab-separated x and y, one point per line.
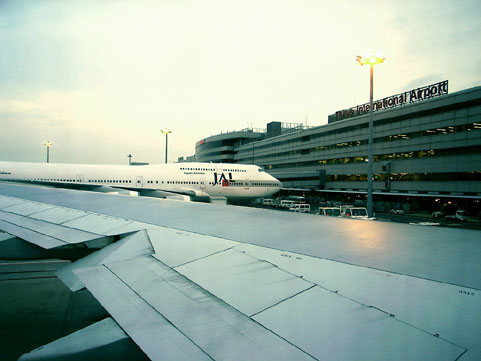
36	308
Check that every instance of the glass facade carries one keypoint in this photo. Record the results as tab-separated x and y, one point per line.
432	146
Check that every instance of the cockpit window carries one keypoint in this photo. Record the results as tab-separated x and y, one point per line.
260	170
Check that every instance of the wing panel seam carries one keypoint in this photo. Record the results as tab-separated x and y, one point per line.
156	311
31	230
49	223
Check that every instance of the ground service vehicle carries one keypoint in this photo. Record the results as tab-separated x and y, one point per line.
396	211
460	215
330	211
356	212
301	207
286	203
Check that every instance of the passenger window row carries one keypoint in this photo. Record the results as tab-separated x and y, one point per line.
213	170
56	180
204	169
180	182
235	170
263	184
109	181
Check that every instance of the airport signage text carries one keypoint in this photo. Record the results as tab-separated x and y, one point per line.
415	95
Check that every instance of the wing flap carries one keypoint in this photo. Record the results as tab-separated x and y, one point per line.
36	238
216	328
134	245
155	335
103	340
50	226
62	234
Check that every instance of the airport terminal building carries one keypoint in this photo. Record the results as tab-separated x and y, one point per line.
426	142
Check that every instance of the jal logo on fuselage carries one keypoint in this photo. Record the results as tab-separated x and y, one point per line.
222	179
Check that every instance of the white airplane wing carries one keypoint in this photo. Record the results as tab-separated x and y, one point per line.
201	281
120	189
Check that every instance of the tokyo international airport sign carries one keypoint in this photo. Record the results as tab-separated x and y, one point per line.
415	95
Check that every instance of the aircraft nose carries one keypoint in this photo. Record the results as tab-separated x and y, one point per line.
278	183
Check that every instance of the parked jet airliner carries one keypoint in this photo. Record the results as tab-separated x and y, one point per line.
233	181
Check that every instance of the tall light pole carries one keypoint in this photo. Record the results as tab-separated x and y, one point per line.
370	59
48	145
166	132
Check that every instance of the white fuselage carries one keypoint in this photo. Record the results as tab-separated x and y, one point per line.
233	181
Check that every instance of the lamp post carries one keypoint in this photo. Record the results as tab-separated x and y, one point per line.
370	59
166	132
48	145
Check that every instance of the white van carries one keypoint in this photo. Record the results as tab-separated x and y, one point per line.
267	202
286	203
300	207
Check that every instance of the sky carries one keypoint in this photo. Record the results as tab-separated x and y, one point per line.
100	79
